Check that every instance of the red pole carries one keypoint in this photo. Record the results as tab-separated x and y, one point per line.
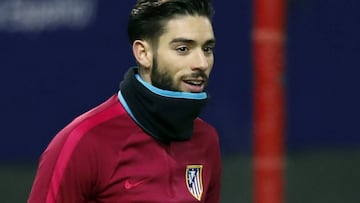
269	105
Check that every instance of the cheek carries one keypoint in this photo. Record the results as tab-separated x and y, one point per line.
211	60
170	65
211	65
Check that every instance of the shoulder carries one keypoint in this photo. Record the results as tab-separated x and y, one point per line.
109	109
106	113
73	156
89	125
203	128
202	125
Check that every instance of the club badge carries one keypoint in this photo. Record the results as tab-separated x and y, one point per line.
194	180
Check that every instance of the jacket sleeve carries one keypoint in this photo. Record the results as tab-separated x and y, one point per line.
65	172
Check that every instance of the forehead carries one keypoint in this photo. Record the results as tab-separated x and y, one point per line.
195	28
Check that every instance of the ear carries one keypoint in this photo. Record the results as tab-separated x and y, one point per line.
143	53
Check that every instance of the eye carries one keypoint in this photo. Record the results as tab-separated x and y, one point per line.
182	49
208	49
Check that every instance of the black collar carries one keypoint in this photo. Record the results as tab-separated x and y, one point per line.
165	115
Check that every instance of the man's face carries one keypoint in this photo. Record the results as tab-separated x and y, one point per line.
184	57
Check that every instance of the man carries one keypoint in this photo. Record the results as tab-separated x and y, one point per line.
146	143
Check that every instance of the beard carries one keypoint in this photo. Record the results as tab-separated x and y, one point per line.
161	80
165	80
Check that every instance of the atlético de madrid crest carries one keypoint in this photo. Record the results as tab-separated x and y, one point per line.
194	180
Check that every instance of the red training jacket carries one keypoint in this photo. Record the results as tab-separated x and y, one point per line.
104	156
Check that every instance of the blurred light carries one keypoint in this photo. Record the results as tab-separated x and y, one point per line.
42	15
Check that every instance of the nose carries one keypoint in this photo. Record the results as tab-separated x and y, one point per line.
201	60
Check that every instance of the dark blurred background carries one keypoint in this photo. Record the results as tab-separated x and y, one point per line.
59	58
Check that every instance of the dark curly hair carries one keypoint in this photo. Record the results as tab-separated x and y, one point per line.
148	17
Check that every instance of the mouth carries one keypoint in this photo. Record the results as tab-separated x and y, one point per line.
195	85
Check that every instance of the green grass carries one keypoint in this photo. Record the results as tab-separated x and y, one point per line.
317	176
324	177
15	182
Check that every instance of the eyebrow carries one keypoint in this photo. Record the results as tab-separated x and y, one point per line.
190	41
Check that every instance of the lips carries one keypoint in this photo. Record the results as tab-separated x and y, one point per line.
194	82
195	85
